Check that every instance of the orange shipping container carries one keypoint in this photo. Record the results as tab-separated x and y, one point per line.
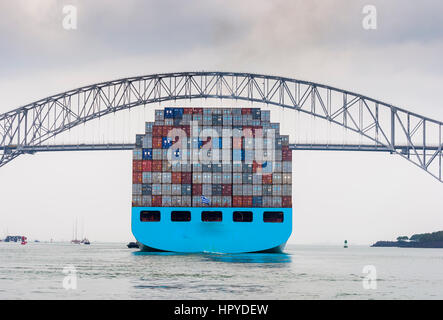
176	178
237	201
267	179
156	142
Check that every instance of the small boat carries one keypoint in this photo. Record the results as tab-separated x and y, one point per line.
85	241
132	245
74	234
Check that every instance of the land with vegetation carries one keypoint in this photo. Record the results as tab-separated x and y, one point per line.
420	240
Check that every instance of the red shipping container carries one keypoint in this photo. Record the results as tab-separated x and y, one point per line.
247	201
156	201
136	177
197	110
187	110
137	166
147	165
237	201
157	131
226	189
176	178
156	165
156	142
286	155
186	177
196	189
246	111
286	202
166	130
267	179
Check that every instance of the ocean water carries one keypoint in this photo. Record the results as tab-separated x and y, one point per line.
112	271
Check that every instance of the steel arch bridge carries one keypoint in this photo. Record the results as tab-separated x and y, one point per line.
414	137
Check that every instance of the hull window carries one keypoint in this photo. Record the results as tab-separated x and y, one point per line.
181	216
149	216
242	216
271	216
211	216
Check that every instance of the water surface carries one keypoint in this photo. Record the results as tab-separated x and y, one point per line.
111	271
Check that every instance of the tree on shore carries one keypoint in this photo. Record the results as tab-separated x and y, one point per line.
402	238
427	237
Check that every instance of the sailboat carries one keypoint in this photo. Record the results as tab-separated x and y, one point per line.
75	240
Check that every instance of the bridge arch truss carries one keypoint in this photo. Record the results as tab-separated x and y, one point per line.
412	136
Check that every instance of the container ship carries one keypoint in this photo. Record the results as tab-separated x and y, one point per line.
216	180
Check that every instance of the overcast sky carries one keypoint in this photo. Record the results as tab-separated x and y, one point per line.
362	197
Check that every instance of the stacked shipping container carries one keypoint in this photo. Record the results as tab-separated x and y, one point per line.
217	157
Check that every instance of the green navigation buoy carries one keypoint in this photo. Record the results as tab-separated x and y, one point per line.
346	244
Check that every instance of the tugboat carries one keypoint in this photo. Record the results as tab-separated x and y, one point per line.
131	245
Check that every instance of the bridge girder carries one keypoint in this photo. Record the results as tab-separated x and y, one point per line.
386	125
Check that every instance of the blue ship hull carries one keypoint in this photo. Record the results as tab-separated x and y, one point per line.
226	236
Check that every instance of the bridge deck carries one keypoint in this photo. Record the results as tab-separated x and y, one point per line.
128	146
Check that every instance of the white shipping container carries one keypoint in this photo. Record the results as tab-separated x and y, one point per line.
156	189
166	189
166	177
176	189
237	190
147	177
186	201
136	189
287	166
156	177
137	154
276	189
277	178
287	178
197	177
216	178
146	201
287	190
247	189
207	189
207	177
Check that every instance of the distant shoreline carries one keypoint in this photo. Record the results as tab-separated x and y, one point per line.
419	240
409	244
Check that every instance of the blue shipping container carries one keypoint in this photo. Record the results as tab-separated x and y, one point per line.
147	154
